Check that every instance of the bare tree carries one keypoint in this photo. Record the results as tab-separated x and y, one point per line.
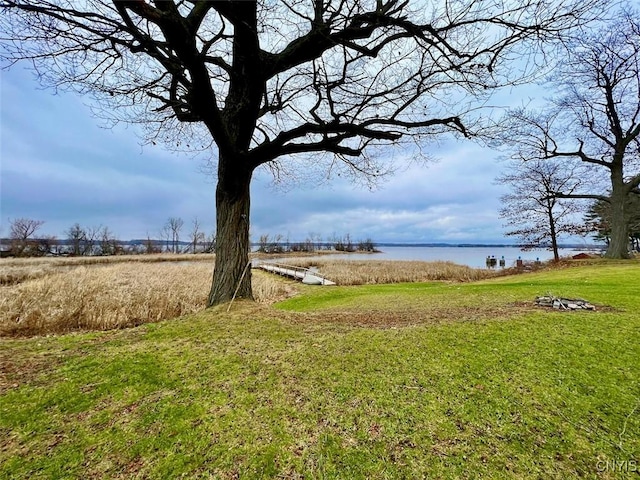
82	239
317	239
366	245
343	244
269	244
534	215
92	239
172	231
22	231
150	246
165	236
594	119
109	244
197	236
46	245
276	84
263	243
210	244
76	237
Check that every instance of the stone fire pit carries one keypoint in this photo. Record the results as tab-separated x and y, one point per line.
560	303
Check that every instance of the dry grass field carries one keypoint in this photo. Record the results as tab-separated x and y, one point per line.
60	295
16	270
56	295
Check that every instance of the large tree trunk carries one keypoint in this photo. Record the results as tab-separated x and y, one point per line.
553	234
232	273
619	243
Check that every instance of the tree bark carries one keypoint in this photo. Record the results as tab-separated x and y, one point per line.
232	273
553	234
619	240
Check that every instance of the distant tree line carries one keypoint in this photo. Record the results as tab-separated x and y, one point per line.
25	241
78	240
278	244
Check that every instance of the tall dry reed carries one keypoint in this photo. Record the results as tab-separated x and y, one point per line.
16	270
102	297
362	272
44	296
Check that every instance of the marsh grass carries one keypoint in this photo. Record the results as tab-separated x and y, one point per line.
55	295
113	295
16	270
43	296
368	272
108	259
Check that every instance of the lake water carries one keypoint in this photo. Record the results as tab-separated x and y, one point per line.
472	256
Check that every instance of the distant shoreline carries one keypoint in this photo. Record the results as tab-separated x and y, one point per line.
485	245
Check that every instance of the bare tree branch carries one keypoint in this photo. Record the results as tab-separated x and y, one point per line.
266	81
595	118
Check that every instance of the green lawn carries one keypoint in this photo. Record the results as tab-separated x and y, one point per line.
388	381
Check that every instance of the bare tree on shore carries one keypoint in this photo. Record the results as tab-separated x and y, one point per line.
83	239
533	214
22	236
305	85
109	244
171	231
593	120
196	235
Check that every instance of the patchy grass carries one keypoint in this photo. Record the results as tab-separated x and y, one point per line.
492	388
482	299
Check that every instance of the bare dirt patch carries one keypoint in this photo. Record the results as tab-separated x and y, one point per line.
18	367
407	317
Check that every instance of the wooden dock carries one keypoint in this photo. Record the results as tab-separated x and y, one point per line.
305	275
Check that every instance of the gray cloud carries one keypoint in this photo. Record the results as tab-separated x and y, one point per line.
60	167
453	200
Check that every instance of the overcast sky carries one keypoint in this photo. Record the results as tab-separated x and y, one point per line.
58	165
